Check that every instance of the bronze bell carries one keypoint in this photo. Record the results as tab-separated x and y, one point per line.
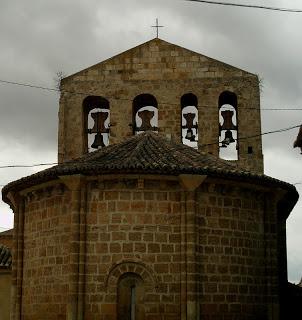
146	116
298	142
98	141
190	136
189	117
228	138
227	120
99	122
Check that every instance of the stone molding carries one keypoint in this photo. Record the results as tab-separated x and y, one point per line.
137	267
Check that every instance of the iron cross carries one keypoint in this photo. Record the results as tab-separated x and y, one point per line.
157	26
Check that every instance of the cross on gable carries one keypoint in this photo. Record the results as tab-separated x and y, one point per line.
157	26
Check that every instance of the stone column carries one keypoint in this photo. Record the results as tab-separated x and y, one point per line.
76	185
270	221
17	203
189	235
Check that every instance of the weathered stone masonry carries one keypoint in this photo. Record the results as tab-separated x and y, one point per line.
167	72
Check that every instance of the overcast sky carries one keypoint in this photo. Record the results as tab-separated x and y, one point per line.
40	38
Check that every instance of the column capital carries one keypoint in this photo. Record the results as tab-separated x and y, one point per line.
73	182
191	182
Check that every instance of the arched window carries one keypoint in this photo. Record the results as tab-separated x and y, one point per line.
228	126
130	297
144	113
96	122
189	120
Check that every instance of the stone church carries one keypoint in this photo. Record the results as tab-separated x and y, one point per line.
158	208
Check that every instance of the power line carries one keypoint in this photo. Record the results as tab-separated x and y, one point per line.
202	145
248	6
29	85
27	165
258	135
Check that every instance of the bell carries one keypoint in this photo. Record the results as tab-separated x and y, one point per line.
227	116
190	136
146	116
189	117
98	141
99	122
228	138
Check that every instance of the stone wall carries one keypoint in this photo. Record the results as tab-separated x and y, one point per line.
167	72
46	254
5	293
133	229
6	238
237	253
197	247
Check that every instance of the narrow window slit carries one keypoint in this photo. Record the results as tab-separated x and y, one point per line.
133	300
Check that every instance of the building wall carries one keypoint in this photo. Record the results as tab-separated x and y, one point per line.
237	253
5	293
131	229
46	254
167	72
6	238
207	251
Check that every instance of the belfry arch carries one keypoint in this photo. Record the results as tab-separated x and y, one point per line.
96	113
144	113
228	126
189	120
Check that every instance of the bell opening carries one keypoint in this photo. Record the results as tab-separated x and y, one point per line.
190	126
98	128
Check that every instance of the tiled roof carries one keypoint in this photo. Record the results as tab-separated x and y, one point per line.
148	153
5	257
7	233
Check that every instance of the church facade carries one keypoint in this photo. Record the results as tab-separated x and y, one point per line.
141	219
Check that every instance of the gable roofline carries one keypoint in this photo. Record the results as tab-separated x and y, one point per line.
145	43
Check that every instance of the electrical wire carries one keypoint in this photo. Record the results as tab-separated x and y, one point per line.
258	135
27	165
29	85
250	6
202	145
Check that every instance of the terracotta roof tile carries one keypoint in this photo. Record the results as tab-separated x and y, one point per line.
7	233
148	153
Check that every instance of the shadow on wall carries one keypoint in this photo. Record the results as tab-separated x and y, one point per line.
292	302
5	282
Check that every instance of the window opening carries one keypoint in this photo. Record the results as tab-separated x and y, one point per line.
97	122
130	297
189	120
133	300
228	126
145	114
